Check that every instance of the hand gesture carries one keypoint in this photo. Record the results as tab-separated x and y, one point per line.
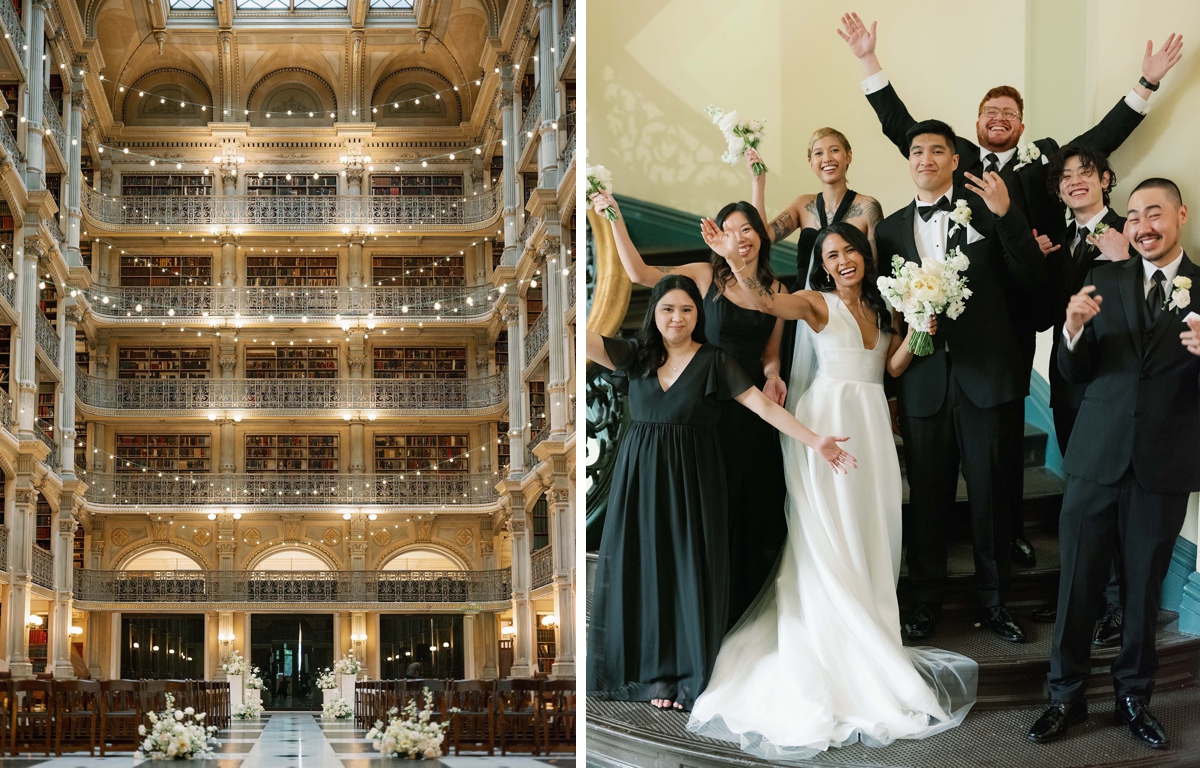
992	189
1112	243
1156	65
775	390
1191	337
838	460
753	157
602	200
1082	307
1044	244
858	37
723	243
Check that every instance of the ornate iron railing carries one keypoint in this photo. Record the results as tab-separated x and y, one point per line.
8	288
5	415
535	337
542	566
531	458
54	228
15	31
293	586
3	548
54	122
568	152
42	572
532	121
325	213
47	337
217	305
571	288
48	441
290	490
294	396
7	141
566	35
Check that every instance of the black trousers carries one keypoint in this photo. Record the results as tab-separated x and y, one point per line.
1098	521
982	441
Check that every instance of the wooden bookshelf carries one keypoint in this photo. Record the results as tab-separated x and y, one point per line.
5	351
45	407
533	306
497	252
546	646
48	300
418	270
54	186
164	363
537	406
165	270
166	184
497	167
81	447
541	524
529	183
85	253
56	94
420	453
77	547
420	362
43	534
318	271
503	455
419	185
291	185
291	363
292	453
502	349
10	90
8	226
168	453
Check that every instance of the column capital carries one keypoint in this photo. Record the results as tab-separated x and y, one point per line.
510	314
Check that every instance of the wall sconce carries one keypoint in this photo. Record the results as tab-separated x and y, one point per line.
224	638
550	620
76	631
33	622
358	638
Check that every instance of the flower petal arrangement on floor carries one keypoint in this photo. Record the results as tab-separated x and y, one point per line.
337	709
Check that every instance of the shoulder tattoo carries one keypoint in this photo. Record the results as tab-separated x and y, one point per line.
783	225
753	284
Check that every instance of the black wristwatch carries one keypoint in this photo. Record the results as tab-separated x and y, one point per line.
1148	85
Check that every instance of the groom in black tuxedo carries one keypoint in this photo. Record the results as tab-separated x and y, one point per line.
999	129
957	404
1133	458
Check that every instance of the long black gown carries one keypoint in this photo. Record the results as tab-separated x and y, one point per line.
753	457
662	578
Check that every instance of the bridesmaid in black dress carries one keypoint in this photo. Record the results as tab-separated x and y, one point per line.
753	458
661	596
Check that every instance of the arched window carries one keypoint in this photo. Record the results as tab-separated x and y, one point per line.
292	560
162	560
421	560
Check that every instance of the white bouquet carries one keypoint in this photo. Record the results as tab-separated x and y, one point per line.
250	710
740	135
338	708
598	178
412	736
236	664
327	681
253	680
176	735
347	665
923	291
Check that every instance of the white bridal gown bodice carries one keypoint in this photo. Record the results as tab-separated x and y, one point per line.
818	661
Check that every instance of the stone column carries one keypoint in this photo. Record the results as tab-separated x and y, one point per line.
35	152
358	439
224	642
469	656
358	631
227	360
100	263
20	559
354	175
357	75
229	180
27	297
516	404
508	122
556	386
64	414
99	447
97	629
562	539
547	74
64	543
354	261
228	465
225	65
73	190
522	579
228	260
491	646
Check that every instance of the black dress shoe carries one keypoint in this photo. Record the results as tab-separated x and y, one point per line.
1044	615
1002	624
1022	553
1052	725
1108	629
1134	713
920	622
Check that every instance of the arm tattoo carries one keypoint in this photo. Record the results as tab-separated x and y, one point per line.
752	284
664	270
783	225
874	212
811	207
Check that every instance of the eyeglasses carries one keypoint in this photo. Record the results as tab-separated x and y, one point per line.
992	112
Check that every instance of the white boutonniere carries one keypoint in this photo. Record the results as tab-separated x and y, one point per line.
961	216
1100	229
1026	153
1180	296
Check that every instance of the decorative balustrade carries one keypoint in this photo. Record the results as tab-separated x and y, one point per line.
293	586
8	288
52	226
542	566
42	572
532	121
216	305
531	458
54	122
3	548
566	35
48	441
316	214
568	152
571	290
15	31
535	337
8	142
316	397
47	337
6	416
290	490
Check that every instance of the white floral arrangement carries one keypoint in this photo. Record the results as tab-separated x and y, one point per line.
961	216
1181	293
347	665
1026	153
740	135
338	708
922	291
176	735
248	710
412	736
599	179
327	681
236	664
254	680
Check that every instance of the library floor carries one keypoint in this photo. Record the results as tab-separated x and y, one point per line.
294	740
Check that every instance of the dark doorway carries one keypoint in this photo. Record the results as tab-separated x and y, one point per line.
416	646
290	652
162	647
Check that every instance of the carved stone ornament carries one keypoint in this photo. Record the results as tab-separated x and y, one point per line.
102	364
291	530
356	364
551	247
486	547
477	176
464	536
354	175
226	547
67	526
106	178
252	536
557	497
73	315
382	537
331	537
229	175
161	529
357	548
504	100
201	537
511	314
424	530
227	363
120	537
516	526
26	496
97	547
33	247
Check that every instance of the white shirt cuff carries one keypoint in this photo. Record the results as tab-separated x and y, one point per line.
1071	342
879	81
1137	103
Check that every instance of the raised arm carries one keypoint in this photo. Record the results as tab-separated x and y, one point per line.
788	220
758	185
775	415
893	115
635	266
596	351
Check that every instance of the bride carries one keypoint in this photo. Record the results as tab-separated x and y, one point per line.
817	661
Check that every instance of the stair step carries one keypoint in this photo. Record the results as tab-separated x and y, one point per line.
1042	500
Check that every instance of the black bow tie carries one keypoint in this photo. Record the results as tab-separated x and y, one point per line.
927	211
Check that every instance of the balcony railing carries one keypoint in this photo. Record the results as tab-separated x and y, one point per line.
571	291
42	572
531	458
532	121
566	35
535	337
316	397
15	31
8	288
314	214
47	337
48	441
52	226
568	152
8	142
6	416
3	548
217	305
293	586
542	566
54	122
290	490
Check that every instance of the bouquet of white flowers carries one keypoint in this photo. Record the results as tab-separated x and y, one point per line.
253	680
176	735
327	681
740	135
236	664
347	665
338	708
922	291
598	178
250	710
412	736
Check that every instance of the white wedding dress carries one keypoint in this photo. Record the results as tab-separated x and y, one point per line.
817	661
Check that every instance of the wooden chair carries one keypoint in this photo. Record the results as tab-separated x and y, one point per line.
558	715
32	716
415	689
154	695
181	693
75	721
518	715
6	705
473	725
120	715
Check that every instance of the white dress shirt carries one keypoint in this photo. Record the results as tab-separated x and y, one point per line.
931	235
1148	269
879	81
1091	227
1003	157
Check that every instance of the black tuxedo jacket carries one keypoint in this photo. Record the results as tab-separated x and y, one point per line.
1026	186
983	340
1066	279
1142	402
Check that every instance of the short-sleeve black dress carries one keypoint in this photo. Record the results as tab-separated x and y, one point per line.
662	579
